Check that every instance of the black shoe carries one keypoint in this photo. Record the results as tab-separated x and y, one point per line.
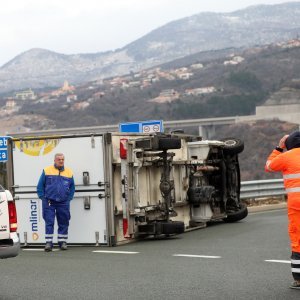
63	246
48	247
295	285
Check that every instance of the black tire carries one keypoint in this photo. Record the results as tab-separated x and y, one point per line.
232	146
233	179
174	227
169	143
237	215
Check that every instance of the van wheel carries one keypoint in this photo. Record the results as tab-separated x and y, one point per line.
232	146
237	215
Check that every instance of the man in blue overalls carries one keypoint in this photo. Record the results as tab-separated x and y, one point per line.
56	189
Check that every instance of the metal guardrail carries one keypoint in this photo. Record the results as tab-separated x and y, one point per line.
262	188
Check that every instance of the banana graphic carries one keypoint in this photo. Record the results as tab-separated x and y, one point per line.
37	147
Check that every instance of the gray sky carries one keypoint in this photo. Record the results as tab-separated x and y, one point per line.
88	26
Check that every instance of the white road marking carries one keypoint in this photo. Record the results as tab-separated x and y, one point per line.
37	249
115	252
278	261
200	256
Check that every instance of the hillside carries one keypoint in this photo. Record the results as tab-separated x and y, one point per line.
257	25
231	90
262	75
260	139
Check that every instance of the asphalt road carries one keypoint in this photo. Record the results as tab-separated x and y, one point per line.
223	261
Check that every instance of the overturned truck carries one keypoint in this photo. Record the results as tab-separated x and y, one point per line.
129	186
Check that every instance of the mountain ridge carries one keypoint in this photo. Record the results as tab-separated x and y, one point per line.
259	24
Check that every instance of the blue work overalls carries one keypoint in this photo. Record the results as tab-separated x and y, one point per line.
56	189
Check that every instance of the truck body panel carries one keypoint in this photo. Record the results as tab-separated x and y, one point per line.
84	155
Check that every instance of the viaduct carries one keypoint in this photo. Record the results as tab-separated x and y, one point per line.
288	113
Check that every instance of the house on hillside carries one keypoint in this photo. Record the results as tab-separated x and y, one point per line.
168	95
10	104
65	89
134	84
291	44
185	76
235	60
25	95
80	105
200	91
71	98
197	66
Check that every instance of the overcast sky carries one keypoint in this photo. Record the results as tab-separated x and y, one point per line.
88	26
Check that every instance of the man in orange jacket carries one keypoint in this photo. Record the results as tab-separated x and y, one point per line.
288	163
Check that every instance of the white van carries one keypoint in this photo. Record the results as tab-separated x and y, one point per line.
9	239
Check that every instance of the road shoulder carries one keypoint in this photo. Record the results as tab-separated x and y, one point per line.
266	207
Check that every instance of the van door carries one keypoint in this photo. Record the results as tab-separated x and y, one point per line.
85	156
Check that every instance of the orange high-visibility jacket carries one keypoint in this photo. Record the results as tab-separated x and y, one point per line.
289	164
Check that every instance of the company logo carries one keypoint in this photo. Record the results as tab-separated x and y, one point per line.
3	227
35	236
33	219
37	147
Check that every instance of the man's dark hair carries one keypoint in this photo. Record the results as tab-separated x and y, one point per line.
293	140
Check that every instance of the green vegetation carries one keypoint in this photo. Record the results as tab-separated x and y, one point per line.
217	106
245	80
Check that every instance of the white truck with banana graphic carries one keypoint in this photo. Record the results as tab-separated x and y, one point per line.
129	186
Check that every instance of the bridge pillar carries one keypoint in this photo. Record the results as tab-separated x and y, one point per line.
207	131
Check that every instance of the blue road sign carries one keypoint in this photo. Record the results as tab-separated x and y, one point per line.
142	127
3	155
3	148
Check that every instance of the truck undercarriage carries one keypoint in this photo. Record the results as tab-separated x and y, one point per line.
211	185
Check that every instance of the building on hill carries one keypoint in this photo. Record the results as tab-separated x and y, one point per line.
166	96
235	60
10	103
80	105
291	44
65	89
71	98
200	91
25	95
197	66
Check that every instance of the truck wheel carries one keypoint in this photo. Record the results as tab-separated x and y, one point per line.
232	146
169	143
174	227
237	215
